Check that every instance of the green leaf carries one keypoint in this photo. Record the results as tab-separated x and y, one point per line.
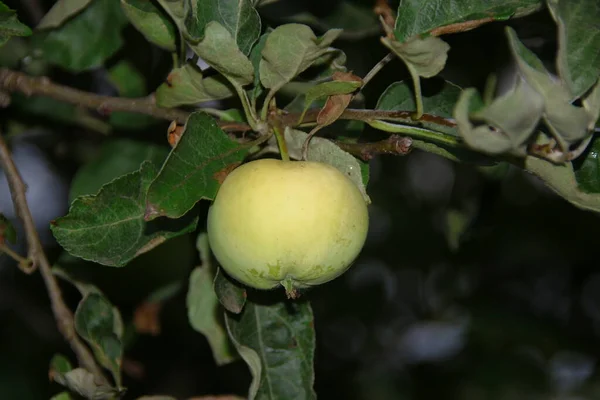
60	12
578	42
109	227
255	57
204	311
10	25
424	57
177	11
152	22
562	180
85	41
325	151
587	172
289	50
399	97
130	82
219	50
186	85
95	322
7	230
510	120
62	396
239	17
194	168
278	343
568	121
59	364
229	292
115	157
416	17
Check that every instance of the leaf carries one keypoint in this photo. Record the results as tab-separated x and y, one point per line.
424	57
439	105
10	25
151	22
109	227
587	172
203	306
60	12
325	151
7	231
510	120
95	322
578	59
289	50
416	17
85	41
255	57
219	50
186	85
177	10
191	172
129	82
230	294
561	179
239	17
115	157
278	343
570	122
62	396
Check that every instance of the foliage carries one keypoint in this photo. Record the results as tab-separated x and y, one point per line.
252	85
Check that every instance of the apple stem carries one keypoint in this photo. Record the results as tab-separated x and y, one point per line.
290	290
283	150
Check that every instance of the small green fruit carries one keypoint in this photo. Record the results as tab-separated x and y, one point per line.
294	223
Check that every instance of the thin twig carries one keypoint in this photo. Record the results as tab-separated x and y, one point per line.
394	145
376	68
14	81
62	314
25	264
306	143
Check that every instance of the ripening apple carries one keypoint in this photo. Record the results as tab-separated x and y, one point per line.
291	223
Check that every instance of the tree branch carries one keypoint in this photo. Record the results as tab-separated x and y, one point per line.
62	314
395	145
14	81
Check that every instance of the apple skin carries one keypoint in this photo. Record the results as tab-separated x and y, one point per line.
294	223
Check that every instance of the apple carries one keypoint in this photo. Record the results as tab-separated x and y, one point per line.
292	223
